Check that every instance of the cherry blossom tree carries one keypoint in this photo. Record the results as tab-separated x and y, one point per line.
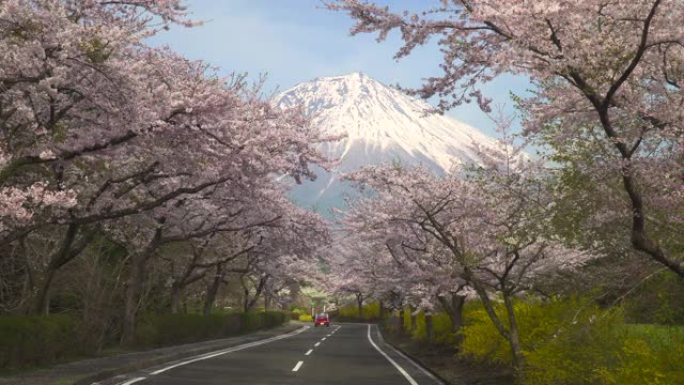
106	140
607	76
69	71
394	261
486	229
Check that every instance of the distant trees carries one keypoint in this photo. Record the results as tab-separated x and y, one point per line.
150	163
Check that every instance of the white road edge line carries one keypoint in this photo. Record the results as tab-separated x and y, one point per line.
394	363
230	350
133	381
299	365
317	344
309	352
414	363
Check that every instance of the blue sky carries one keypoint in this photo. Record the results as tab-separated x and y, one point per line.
297	40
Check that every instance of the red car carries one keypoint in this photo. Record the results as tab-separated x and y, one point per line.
321	319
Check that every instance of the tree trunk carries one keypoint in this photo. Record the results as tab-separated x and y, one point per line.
267	301
134	284
42	305
176	294
213	289
68	250
429	329
514	337
57	259
412	309
511	334
178	287
402	325
382	310
457	302
454	310
133	289
487	304
249	303
27	290
359	304
640	239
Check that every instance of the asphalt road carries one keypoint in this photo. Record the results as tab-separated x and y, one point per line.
344	354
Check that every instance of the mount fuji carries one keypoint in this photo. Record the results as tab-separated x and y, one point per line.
382	125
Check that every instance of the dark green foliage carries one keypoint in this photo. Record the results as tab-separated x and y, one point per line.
37	340
29	341
169	329
660	301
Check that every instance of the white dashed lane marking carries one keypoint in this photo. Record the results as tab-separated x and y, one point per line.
299	365
231	350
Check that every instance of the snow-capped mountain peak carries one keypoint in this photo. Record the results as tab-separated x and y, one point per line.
382	125
380	118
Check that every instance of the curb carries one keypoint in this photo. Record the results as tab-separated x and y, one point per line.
413	359
107	374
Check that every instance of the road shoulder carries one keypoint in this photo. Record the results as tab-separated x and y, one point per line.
445	365
411	363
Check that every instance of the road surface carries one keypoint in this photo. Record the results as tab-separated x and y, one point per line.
344	354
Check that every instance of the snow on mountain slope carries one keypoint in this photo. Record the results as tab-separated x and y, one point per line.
382	125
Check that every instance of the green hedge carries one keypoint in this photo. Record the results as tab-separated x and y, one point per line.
29	341
33	340
660	300
169	329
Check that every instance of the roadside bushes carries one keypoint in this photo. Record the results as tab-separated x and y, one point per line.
574	342
441	328
570	341
262	320
649	354
168	329
369	313
296	313
29	341
538	322
38	340
660	300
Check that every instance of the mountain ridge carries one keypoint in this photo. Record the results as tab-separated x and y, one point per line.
381	125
